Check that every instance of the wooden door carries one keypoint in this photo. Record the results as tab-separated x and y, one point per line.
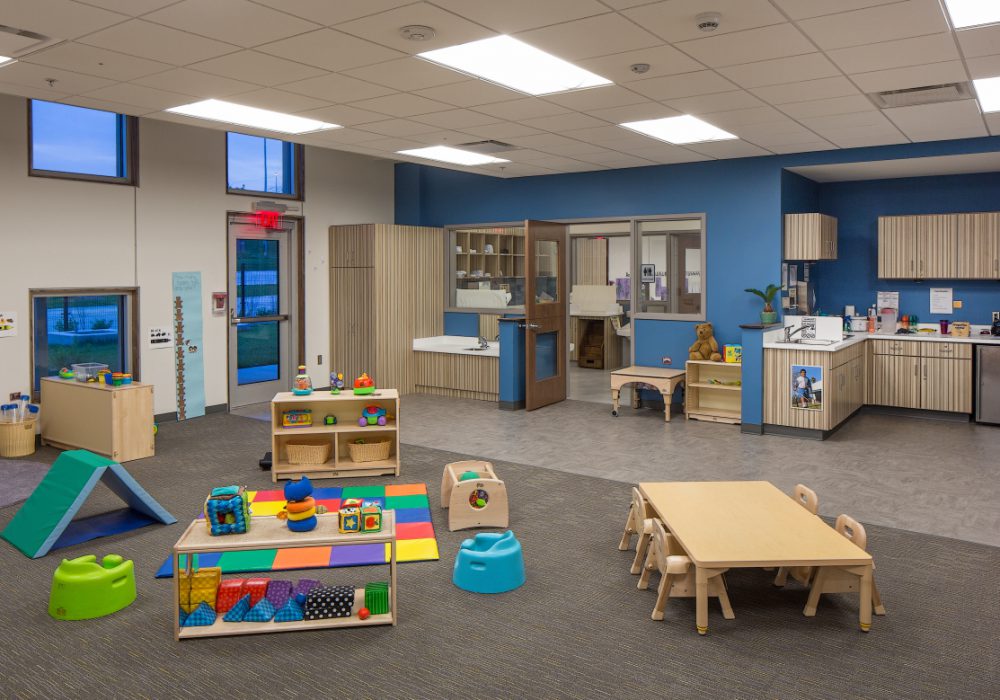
897	381
979	246
545	301
937	246
946	385
897	247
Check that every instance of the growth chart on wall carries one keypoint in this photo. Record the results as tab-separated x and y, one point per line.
189	363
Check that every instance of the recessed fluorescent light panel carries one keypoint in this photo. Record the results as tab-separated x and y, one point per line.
514	64
679	130
988	92
973	13
4	60
242	115
447	154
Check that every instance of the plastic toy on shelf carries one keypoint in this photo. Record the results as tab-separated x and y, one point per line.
330	420
337	382
227	511
303	384
373	415
297	418
301	509
364	385
82	589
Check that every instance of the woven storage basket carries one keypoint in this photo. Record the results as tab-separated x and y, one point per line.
17	439
316	452
373	451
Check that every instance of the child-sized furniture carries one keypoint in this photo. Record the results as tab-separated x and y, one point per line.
807	498
843	579
714	391
677	574
82	589
489	563
665	380
639	522
473	495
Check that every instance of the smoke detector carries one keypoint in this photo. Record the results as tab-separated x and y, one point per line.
708	21
639	68
417	32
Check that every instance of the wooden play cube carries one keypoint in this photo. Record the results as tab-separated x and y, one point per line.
473	502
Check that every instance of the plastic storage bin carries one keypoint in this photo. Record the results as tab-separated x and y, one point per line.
87	371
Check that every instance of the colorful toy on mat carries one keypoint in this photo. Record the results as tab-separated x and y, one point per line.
303	385
337	382
371	517
227	511
82	589
377	597
301	509
373	415
349	517
299	418
489	563
329	601
364	385
473	495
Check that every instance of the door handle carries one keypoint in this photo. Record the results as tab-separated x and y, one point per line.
532	326
234	320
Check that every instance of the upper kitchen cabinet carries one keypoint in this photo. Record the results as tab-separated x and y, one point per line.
979	246
918	247
810	237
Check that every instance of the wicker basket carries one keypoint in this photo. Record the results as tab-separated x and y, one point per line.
312	452
370	451
17	439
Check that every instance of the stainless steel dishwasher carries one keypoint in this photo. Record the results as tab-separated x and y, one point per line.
988	384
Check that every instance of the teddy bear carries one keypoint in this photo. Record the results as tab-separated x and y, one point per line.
705	348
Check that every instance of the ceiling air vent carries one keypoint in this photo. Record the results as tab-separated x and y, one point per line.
16	42
487	147
926	95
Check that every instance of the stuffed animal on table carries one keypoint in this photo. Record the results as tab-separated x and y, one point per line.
300	510
705	347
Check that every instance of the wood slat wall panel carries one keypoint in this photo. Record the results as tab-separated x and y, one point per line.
979	246
458	375
946	385
810	237
352	246
489	326
352	349
590	261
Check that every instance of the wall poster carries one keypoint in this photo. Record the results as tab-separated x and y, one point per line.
807	387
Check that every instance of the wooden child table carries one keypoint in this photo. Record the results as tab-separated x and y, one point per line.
666	380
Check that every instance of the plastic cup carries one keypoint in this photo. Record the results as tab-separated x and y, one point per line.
944	327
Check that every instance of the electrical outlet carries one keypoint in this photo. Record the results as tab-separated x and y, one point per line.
319	359
667	361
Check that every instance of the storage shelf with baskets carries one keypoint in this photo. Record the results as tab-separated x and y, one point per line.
713	391
331	451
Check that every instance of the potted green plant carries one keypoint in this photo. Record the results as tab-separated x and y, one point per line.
768	315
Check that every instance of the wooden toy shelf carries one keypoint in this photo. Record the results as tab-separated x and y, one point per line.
271	533
347	408
710	394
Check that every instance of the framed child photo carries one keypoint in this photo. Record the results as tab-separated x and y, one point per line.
807	387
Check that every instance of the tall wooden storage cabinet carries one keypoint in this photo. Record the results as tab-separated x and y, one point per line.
386	288
810	237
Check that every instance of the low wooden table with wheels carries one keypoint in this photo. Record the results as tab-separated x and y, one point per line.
666	380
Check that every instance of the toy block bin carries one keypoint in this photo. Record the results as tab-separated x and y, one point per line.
82	589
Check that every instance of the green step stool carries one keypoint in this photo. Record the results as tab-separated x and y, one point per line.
82	589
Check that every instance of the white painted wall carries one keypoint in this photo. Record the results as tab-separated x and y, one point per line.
57	233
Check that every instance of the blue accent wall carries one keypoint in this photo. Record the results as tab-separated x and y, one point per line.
512	363
853	277
461	323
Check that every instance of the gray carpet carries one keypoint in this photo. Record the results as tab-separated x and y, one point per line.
578	628
18	479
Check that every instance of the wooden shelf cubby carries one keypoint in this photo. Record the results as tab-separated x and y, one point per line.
710	394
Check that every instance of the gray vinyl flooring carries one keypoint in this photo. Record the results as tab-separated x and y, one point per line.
928	476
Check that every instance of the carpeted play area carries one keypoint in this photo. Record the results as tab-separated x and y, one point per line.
578	628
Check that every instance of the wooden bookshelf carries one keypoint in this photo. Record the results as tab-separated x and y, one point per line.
714	391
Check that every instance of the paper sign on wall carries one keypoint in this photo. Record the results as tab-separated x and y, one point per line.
8	324
160	337
941	300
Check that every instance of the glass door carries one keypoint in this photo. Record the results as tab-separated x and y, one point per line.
545	313
261	304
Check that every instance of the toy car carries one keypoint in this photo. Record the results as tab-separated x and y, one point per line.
373	415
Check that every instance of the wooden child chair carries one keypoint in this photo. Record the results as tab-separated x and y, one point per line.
807	498
677	574
473	495
836	579
639	522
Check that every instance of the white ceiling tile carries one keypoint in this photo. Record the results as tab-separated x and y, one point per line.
622	160
542	142
408	74
66	82
330	49
234	21
665	153
801	9
634	113
133	8
738	118
391	145
564	164
947	120
501	130
873	118
193	82
401	105
603	135
396	127
729	149
258	68
984	66
980	42
808	147
512	16
147	40
793	69
874	24
625	4
59	19
34	92
913	76
674	20
109	106
833	105
383	28
685	85
993	122
860	137
526	155
94	61
331	12
808	90
469	93
343	115
518	110
593	36
896	54
341	136
448	137
782	133
277	100
662	60
716	102
456	119
765	43
333	87
140	96
563	122
596	98
578	149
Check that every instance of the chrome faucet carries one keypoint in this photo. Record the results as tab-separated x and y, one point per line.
789	332
483	343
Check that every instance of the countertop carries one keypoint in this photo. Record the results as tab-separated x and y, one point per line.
455	345
974	338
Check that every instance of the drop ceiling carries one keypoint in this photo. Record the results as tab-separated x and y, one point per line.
785	76
965	164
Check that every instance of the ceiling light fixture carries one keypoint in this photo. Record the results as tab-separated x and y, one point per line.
447	154
679	130
242	115
514	64
988	92
6	60
972	13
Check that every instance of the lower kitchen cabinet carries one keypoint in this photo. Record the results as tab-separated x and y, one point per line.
933	376
946	385
897	381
